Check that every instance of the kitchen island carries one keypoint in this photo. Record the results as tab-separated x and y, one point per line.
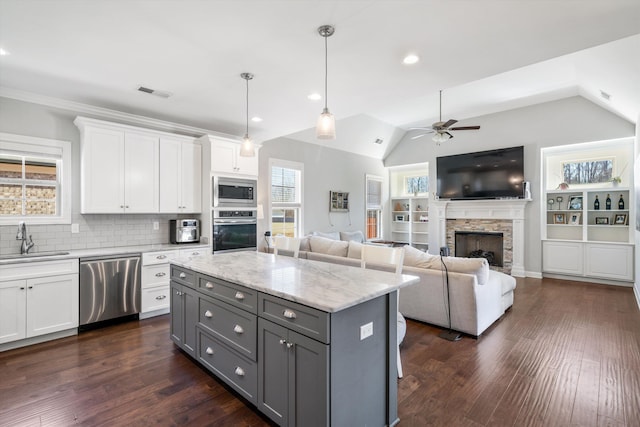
307	342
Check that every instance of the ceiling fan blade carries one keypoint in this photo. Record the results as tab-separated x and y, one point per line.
418	136
449	123
447	133
427	128
465	128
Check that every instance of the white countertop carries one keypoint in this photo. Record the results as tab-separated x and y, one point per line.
322	285
106	252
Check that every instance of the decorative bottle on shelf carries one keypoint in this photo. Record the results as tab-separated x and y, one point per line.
621	203
607	203
596	204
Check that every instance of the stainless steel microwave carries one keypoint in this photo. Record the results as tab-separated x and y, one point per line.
234	192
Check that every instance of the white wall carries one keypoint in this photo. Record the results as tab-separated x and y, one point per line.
567	121
325	169
636	285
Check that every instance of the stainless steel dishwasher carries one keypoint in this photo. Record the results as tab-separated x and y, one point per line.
109	288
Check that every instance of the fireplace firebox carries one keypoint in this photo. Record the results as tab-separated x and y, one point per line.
478	244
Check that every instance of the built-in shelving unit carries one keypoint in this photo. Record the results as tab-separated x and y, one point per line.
578	239
410	205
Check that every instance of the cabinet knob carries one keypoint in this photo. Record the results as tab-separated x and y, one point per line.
289	344
289	314
161	297
178	293
208	314
161	274
208	285
239	371
29	287
282	341
22	288
182	275
238	329
161	257
121	206
239	296
209	351
127	206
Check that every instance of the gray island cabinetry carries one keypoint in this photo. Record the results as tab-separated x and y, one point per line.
308	343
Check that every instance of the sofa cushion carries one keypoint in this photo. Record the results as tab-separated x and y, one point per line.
305	244
477	266
355	250
329	246
334	235
416	258
507	283
356	236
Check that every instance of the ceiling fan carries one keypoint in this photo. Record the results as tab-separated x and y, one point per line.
441	129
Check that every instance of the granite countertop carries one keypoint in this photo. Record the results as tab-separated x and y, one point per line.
96	252
322	285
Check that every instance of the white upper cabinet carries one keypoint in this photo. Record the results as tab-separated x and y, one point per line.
125	169
180	176
226	159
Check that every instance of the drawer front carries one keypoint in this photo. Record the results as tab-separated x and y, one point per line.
234	327
155	298
300	318
236	295
239	373
160	257
183	276
155	275
195	252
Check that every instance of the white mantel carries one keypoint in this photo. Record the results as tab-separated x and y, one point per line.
507	209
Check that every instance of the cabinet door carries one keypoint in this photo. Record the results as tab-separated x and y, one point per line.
13	310
223	156
609	261
308	381
273	371
52	304
170	175
177	314
142	179
102	171
190	299
562	257
191	178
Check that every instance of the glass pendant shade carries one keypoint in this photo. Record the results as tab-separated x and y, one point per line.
247	149
326	126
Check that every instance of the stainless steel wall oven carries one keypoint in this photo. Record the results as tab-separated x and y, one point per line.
234	230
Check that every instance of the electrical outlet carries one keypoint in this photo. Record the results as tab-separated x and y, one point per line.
75	228
366	330
156	225
267	233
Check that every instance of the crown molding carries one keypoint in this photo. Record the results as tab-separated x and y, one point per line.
106	113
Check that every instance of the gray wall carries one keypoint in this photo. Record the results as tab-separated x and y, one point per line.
325	169
567	121
96	231
636	285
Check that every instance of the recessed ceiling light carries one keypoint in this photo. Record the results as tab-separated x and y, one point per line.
3	52
256	119
411	59
314	96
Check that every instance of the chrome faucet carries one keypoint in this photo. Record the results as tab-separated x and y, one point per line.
22	235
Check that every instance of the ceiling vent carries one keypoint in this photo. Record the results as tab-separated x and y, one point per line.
378	141
159	93
606	96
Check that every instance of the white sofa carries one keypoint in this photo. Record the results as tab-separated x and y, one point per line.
479	296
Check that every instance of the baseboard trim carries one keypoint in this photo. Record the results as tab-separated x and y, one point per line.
39	339
589	280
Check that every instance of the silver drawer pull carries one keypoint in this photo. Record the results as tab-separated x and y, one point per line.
161	257
195	253
208	285
208	314
161	274
289	314
161	297
238	329
239	371
182	275
239	296
209	351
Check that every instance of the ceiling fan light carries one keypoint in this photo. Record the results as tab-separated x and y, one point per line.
439	138
247	149
326	126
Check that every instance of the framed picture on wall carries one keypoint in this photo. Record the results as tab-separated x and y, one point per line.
559	218
620	219
339	201
602	220
574	218
575	203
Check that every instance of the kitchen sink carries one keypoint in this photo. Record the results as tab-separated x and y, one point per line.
34	255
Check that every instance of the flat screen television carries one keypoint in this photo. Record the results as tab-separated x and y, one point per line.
492	174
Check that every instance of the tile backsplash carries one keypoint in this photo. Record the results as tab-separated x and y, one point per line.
96	231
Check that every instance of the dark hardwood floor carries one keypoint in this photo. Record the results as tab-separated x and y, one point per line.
567	353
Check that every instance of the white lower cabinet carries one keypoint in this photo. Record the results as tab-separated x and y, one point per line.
563	257
36	306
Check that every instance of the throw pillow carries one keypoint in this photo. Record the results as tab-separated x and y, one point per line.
416	258
329	246
355	250
356	236
477	266
334	235
305	244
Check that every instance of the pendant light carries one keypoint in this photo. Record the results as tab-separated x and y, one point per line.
247	149
326	126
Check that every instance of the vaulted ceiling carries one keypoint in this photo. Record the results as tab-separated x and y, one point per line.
487	55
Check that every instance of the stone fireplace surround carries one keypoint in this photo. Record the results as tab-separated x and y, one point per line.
505	216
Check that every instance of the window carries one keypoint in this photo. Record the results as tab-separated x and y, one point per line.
286	198
34	180
588	171
374	207
417	184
